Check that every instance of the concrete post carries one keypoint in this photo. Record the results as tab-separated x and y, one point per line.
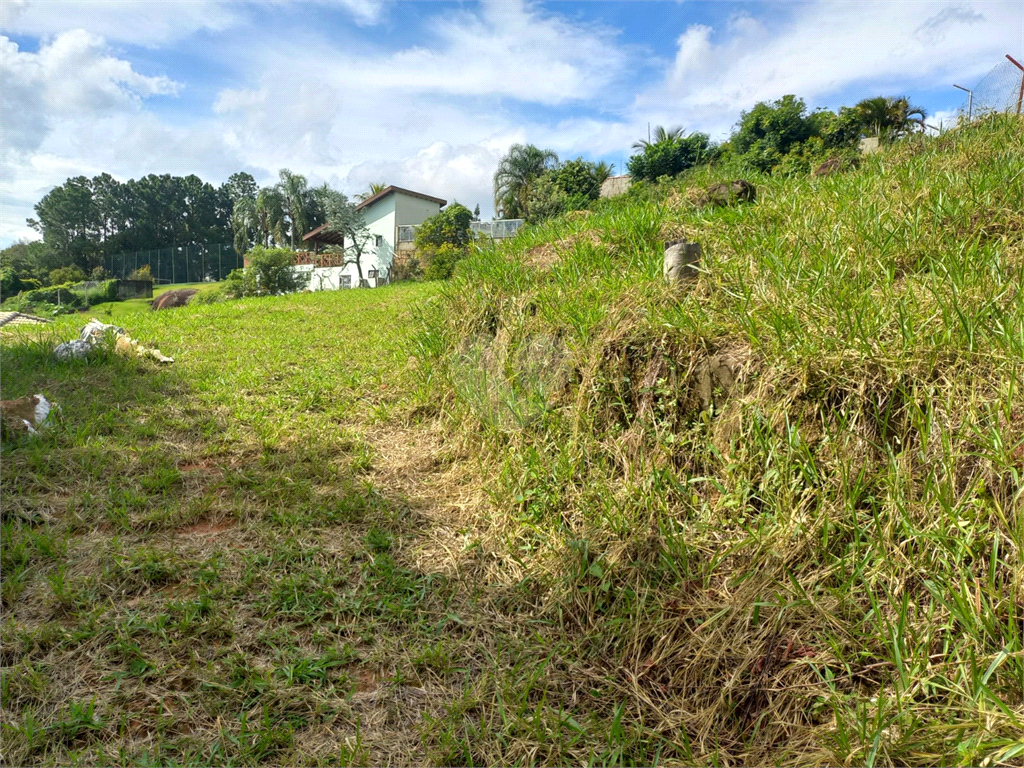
681	260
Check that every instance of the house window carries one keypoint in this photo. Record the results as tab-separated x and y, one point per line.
373	273
378	240
346	281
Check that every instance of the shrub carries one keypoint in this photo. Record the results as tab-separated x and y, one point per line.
69	274
670	157
99	273
271	271
439	263
142	273
10	283
450	226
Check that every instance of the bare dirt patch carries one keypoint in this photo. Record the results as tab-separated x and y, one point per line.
206	527
547	255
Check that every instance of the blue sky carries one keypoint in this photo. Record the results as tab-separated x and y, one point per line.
430	95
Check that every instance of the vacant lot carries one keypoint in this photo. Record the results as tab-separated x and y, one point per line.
554	512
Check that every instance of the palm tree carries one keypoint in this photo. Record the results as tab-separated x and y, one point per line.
270	215
889	117
516	171
297	201
374	189
244	223
602	171
660	134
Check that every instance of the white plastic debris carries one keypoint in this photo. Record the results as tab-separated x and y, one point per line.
95	333
72	350
25	414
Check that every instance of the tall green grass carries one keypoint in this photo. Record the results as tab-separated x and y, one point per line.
818	563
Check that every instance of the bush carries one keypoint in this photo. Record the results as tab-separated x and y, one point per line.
271	271
670	157
10	283
142	273
211	296
68	295
450	226
99	273
439	263
70	274
105	291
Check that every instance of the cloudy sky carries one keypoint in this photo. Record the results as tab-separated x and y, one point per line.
430	95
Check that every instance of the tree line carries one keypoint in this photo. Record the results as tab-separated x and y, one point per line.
780	137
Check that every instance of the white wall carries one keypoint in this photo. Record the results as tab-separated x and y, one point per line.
413	210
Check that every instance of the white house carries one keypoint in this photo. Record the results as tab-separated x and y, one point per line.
384	213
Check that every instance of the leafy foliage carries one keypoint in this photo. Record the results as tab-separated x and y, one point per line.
443	240
518	169
448	227
70	274
670	157
270	271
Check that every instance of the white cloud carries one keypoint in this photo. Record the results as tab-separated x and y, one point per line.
144	22
73	77
826	48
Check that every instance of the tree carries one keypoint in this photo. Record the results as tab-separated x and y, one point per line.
670	157
245	224
889	118
342	217
450	226
271	271
545	199
522	165
296	201
240	186
660	134
579	178
63	275
270	216
373	190
476	213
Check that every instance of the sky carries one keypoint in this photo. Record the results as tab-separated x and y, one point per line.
430	95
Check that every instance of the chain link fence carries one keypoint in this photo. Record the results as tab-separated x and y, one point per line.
998	91
183	264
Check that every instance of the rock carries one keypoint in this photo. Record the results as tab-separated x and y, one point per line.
681	259
720	195
176	298
834	165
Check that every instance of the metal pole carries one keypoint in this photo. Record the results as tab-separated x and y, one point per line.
1020	93
970	100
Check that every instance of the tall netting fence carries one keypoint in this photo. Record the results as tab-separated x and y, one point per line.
998	91
182	264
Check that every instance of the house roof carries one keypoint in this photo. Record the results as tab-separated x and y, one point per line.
388	190
324	235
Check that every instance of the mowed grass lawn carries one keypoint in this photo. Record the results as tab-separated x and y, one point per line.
196	567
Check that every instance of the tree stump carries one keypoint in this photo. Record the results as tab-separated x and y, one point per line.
681	260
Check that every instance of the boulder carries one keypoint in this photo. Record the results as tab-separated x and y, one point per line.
176	298
727	193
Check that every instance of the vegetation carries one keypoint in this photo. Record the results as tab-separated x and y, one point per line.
270	272
517	170
670	156
442	241
84	219
557	513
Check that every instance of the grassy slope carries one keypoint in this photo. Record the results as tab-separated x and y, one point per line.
823	566
270	553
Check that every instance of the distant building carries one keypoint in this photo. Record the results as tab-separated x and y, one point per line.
385	213
614	186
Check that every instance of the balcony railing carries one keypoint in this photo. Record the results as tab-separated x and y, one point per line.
496	230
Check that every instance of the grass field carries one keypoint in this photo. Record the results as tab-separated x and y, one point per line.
111	309
552	512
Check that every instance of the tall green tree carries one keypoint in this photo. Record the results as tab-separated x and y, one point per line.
270	216
374	189
660	134
522	165
889	118
296	202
